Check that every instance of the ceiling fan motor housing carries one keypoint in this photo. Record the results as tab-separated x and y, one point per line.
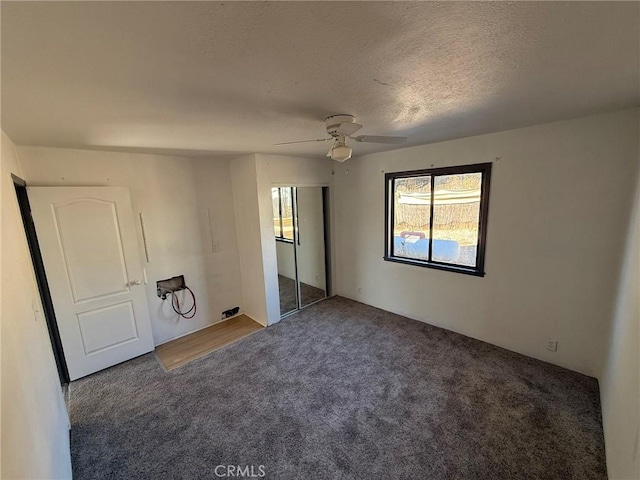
341	125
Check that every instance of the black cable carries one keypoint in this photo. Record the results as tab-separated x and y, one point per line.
175	304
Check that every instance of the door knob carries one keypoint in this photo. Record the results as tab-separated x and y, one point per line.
137	281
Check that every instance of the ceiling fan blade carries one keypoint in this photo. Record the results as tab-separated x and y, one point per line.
347	129
379	139
304	141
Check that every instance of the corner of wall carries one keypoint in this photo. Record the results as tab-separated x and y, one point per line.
268	242
244	185
34	423
620	377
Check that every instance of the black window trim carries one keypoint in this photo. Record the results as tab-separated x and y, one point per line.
389	214
281	237
284	240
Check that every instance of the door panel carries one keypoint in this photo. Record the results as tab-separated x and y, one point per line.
88	222
310	248
107	327
90	253
302	260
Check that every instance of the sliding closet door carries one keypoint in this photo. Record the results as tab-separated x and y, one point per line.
284	228
309	243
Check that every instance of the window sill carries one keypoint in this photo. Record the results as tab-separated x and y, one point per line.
438	266
283	240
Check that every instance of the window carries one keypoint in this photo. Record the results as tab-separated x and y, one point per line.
283	213
437	218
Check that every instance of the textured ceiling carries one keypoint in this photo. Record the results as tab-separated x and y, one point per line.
201	78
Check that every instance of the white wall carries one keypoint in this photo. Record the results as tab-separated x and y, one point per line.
559	204
273	171
34	424
245	200
175	195
218	234
620	381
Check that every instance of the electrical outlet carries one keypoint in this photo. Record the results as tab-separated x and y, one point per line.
552	344
216	247
359	291
230	313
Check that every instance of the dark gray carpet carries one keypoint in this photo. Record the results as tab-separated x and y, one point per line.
287	288
341	390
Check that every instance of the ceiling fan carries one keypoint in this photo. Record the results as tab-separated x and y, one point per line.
341	127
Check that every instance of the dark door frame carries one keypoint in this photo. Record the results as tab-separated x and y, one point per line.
326	213
41	278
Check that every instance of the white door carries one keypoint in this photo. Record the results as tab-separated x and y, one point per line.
90	253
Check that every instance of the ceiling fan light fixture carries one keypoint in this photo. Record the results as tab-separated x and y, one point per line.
340	152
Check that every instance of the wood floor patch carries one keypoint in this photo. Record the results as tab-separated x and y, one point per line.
185	349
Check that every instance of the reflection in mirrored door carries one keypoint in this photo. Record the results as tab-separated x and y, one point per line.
299	214
310	251
284	231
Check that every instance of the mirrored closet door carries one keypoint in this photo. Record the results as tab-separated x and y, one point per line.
299	226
